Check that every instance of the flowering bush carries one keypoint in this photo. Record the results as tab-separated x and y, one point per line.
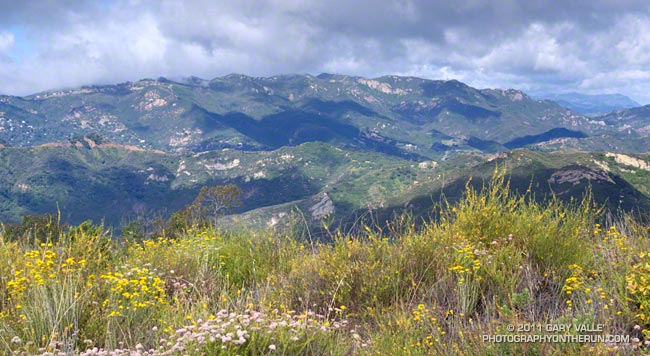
492	260
638	285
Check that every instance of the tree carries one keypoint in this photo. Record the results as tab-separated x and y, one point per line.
218	200
143	223
207	207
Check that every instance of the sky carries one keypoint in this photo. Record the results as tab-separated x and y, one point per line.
595	46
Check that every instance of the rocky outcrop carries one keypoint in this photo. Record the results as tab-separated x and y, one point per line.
629	161
576	175
323	208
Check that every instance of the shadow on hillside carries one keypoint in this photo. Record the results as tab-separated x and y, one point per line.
317	121
117	194
617	197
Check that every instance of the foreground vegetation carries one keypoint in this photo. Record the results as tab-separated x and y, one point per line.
491	261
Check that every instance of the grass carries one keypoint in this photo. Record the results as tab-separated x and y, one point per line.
492	260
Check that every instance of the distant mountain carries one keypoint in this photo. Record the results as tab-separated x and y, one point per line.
630	120
407	117
592	104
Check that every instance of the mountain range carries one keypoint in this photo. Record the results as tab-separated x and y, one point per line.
331	145
593	104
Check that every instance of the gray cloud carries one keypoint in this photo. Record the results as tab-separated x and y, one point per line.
535	45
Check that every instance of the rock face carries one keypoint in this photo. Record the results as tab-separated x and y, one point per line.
323	208
629	161
382	87
427	165
574	176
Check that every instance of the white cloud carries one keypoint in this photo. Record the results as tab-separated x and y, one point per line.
583	45
7	41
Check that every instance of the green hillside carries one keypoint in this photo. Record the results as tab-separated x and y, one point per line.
114	182
117	183
619	182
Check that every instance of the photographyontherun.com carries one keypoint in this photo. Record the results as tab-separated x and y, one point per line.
556	338
556	333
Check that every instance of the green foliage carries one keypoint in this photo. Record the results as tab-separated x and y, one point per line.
638	286
523	299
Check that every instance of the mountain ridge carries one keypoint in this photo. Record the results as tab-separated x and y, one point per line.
402	115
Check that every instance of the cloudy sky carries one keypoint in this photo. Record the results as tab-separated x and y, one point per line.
594	46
